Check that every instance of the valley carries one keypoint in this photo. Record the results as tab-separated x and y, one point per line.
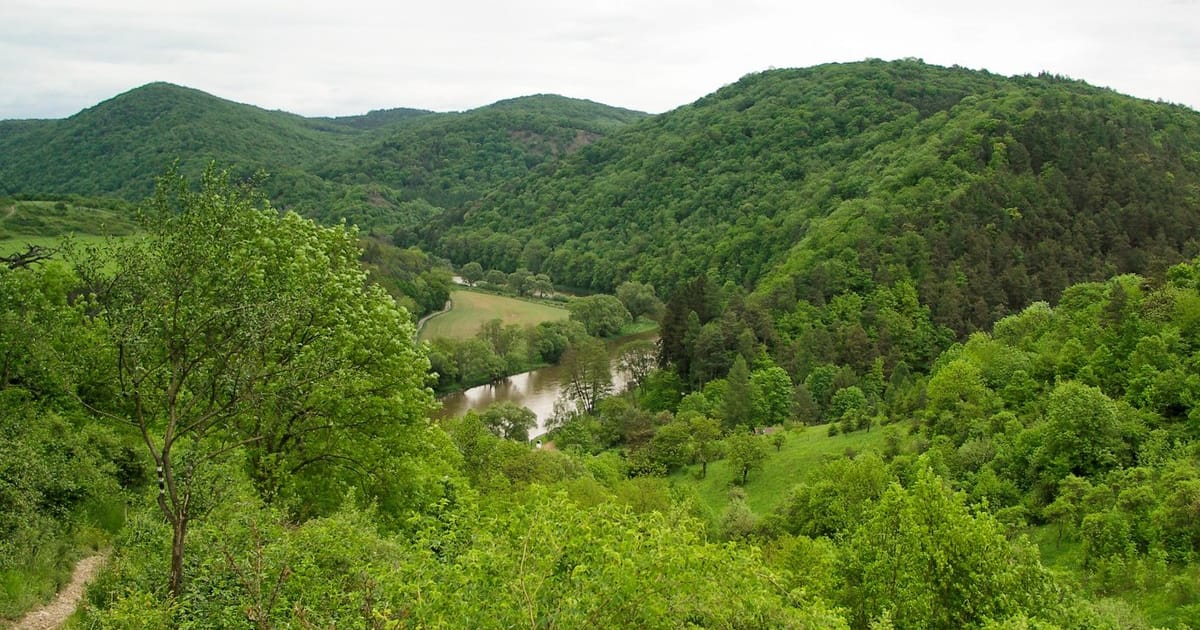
859	345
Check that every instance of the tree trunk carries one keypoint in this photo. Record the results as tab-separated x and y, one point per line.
745	474
179	531
704	469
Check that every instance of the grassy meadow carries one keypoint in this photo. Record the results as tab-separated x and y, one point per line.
473	308
45	223
803	450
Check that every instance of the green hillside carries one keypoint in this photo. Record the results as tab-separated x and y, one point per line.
985	192
117	147
449	159
384	169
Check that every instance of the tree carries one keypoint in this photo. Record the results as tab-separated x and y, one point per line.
923	556
672	445
706	438
746	452
509	420
231	327
849	405
1085	437
639	299
638	358
541	285
472	272
588	373
737	407
601	315
772	388
519	281
496	278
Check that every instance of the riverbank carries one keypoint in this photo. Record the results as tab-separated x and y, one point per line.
537	390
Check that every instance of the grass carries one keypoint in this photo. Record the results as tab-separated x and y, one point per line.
38	576
14	244
637	327
44	223
53	218
473	308
802	452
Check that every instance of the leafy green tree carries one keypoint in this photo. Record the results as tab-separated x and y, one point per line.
541	285
472	272
601	315
509	420
496	278
519	281
1067	508
672	445
639	299
746	453
849	402
804	408
1084	437
588	373
638	359
706	439
835	499
231	327
923	557
958	400
737	406
772	388
778	439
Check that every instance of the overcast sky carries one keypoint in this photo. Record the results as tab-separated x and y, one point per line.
351	56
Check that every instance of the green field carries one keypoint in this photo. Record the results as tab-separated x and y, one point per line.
472	309
804	450
43	223
18	243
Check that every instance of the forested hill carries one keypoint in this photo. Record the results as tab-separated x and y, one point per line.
450	159
985	192
119	146
386	168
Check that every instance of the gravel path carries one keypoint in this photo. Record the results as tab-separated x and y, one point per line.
53	615
421	323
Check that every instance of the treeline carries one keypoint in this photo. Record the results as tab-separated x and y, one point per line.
521	282
497	351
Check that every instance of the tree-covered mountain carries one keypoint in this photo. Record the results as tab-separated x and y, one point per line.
119	146
985	192
387	168
449	159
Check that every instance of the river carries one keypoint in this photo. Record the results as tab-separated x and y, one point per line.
537	390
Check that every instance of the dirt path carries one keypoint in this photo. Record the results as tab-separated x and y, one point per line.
53	615
421	324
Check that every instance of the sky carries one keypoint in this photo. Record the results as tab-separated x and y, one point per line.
351	56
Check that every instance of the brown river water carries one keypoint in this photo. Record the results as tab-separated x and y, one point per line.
536	390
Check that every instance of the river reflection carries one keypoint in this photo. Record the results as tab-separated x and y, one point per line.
537	390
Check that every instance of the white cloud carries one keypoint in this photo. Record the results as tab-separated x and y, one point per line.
320	58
